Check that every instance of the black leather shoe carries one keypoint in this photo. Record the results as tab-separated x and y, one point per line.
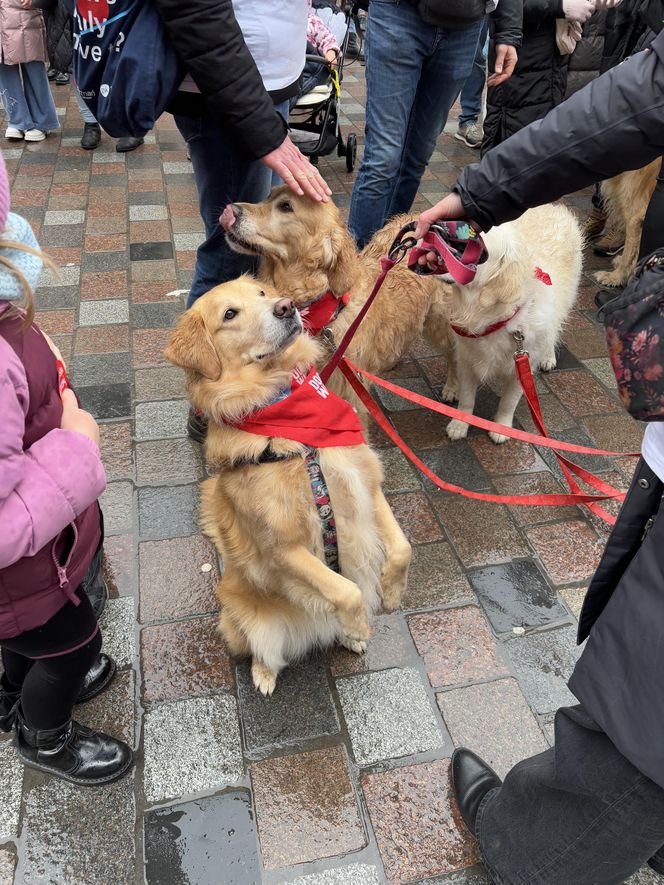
51	73
472	779
97	678
197	425
128	144
91	136
73	752
61	78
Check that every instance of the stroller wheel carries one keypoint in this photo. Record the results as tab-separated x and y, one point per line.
351	152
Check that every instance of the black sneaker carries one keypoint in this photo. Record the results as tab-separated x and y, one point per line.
197	425
91	136
51	73
73	752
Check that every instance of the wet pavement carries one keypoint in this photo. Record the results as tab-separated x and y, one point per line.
342	777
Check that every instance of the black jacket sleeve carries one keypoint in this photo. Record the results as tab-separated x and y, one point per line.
208	39
507	24
539	12
614	124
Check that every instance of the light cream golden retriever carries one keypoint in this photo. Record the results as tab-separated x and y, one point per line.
627	197
239	345
307	250
547	238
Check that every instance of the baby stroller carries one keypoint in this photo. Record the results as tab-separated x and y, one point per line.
314	116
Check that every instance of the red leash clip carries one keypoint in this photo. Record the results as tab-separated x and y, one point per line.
63	381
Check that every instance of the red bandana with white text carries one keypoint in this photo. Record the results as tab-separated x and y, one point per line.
311	414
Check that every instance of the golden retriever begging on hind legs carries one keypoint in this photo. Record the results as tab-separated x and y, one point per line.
310	546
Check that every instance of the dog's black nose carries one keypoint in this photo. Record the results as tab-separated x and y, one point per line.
284	308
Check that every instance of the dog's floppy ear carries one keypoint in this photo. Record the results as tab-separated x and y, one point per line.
191	346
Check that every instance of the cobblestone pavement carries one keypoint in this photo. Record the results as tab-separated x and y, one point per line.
342	777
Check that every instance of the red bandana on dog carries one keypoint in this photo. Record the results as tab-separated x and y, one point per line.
310	414
322	310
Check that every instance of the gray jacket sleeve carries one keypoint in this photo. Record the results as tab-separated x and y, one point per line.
614	124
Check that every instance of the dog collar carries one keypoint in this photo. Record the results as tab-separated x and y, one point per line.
494	327
317	314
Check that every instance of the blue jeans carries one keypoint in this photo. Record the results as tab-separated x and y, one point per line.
414	73
471	94
224	174
27	97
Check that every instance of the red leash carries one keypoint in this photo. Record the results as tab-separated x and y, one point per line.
351	372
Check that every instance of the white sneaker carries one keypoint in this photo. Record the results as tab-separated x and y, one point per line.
34	135
14	134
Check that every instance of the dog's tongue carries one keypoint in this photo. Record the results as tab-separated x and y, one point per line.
227	218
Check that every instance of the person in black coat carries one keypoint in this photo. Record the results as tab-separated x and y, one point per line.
591	809
539	80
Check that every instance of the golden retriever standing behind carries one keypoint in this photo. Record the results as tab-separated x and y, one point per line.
529	280
627	197
240	344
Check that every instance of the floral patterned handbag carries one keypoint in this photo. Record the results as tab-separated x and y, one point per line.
634	326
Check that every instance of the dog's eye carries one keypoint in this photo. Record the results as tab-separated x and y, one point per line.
285	207
230	313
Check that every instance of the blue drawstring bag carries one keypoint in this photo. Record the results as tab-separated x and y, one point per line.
125	66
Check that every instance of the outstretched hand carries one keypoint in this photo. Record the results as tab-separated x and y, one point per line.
297	172
506	59
450	208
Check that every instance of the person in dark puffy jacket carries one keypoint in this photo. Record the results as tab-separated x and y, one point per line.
51	476
590	809
540	77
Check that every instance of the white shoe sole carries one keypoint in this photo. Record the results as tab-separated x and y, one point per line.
37	137
14	135
465	141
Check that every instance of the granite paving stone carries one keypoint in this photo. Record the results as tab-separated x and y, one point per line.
117	507
175	578
615	433
353	874
415	516
115	260
105	401
470	876
399	475
161	420
167	512
581	393
456	645
516	595
72	835
543	662
207	841
421	429
185	658
73	217
645	876
168	462
416	822
574	597
602	369
102	339
156	314
149	346
513	457
300	709
570	551
533	484
188	241
165	382
62	277
481	533
388	715
389	646
113	711
144	212
99	313
116	449
117	626
100	369
7	863
10	790
435	578
394	403
191	746
455	464
493	719
306	808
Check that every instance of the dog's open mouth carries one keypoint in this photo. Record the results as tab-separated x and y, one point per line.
239	244
291	332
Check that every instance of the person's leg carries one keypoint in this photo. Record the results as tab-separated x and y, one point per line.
471	94
398	42
224	174
86	114
443	74
38	96
13	98
652	234
577	813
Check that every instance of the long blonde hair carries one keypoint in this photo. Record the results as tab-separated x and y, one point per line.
27	308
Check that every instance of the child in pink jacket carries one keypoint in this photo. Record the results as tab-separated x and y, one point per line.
50	537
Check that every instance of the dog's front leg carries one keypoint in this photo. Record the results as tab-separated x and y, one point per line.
468	384
398	552
344	596
509	400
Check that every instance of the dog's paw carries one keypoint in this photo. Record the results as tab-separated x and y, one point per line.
354	645
355	623
450	393
549	364
457	429
610	278
497	438
265	680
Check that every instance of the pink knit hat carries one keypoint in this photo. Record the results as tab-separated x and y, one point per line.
4	194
